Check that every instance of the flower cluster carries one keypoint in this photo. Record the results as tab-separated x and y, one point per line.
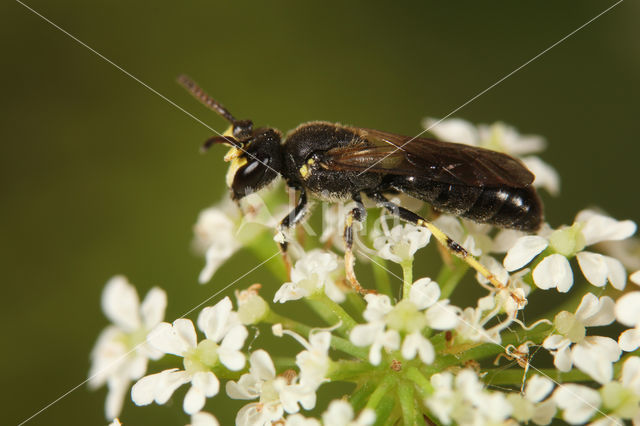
408	351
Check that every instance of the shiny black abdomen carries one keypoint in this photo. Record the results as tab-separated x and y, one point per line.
507	207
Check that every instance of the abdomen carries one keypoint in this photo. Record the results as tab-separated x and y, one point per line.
507	207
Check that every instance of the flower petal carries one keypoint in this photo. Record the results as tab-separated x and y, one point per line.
443	316
626	309
578	402
120	303
553	271
616	273
593	267
523	251
629	340
118	388
203	385
538	388
173	339
203	418
153	307
598	227
424	293
261	365
213	320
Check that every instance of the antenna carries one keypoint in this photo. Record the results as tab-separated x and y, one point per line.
200	95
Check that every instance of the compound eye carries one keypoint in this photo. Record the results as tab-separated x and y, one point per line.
249	178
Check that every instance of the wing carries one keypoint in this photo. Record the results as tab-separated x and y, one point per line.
382	152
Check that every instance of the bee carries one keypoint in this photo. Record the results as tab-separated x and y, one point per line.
334	162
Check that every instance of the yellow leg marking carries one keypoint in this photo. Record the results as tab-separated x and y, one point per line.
459	251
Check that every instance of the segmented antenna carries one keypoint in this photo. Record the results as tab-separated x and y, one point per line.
200	95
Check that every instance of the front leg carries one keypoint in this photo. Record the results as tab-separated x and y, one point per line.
358	213
289	221
442	238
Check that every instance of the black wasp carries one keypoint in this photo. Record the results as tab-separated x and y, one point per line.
333	162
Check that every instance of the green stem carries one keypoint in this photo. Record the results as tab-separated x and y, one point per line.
407	277
381	276
449	277
337	342
362	393
330	308
357	304
349	370
380	392
263	248
284	363
423	384
407	402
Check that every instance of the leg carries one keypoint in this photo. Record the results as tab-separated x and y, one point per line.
289	221
442	238
358	214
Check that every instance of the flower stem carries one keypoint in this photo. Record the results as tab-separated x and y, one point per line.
407	277
337	343
450	276
380	392
407	401
423	384
348	370
327	308
381	276
362	393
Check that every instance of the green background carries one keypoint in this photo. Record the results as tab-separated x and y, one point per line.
100	176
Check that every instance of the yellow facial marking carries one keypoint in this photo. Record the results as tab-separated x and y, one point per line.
228	132
232	154
236	163
311	161
304	171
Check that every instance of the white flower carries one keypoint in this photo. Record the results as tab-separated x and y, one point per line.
593	355
409	317
621	399
512	296
554	270
579	403
276	394
465	401
311	274
121	353
300	420
530	406
215	235
225	338
314	361
627	313
499	137
471	326
340	413
401	242
202	418
222	229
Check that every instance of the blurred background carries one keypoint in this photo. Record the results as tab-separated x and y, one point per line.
100	176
